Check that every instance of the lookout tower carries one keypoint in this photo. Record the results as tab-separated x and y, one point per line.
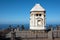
37	18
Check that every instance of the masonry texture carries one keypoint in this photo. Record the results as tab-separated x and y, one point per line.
34	35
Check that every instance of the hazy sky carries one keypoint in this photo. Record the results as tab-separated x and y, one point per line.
18	11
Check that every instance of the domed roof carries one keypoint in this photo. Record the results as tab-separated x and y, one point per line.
37	7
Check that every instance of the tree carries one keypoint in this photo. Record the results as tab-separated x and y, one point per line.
50	26
18	27
22	27
10	26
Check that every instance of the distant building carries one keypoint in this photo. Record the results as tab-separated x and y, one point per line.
37	18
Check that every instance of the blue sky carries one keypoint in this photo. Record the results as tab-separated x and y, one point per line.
18	11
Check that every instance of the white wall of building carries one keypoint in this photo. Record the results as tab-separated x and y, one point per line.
35	20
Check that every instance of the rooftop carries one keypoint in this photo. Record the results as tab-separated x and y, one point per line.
37	7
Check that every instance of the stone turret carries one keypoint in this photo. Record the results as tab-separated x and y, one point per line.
37	18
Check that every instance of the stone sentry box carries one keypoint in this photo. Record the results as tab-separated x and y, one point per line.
37	18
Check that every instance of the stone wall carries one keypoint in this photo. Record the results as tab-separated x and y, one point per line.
36	35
